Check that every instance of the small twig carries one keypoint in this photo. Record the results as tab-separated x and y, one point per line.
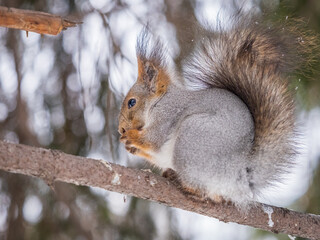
58	166
34	21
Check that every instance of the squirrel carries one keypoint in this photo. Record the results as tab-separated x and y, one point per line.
225	123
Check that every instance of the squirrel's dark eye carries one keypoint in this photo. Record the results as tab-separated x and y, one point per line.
131	103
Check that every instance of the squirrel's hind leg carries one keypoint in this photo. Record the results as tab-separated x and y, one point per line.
174	178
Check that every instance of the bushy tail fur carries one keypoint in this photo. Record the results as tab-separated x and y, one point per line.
254	61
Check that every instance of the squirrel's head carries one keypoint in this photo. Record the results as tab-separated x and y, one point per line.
151	84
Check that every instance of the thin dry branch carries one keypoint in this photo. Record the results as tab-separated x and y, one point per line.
53	165
34	21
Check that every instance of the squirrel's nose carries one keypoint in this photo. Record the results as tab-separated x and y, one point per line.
122	126
121	130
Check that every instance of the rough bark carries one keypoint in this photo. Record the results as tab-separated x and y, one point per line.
53	165
34	21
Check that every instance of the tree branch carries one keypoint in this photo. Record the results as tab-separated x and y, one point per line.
34	21
53	165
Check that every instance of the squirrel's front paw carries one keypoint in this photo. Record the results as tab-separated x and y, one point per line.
131	140
128	145
131	150
134	138
135	143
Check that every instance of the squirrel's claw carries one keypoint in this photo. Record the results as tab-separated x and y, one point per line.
132	150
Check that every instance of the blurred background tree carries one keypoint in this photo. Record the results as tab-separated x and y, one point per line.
64	92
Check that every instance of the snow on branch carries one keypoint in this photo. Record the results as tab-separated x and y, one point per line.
53	165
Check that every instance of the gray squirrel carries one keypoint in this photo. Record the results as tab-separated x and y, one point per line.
225	123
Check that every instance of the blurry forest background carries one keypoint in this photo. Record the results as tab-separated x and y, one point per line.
64	92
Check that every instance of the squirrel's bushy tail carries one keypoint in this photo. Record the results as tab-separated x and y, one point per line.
254	61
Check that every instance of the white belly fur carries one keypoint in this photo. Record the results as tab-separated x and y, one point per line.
164	157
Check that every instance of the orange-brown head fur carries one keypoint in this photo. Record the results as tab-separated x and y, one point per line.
151	84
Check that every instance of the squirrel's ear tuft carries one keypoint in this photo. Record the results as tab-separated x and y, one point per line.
150	48
152	62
